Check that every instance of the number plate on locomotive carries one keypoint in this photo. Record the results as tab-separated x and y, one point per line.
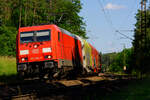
35	51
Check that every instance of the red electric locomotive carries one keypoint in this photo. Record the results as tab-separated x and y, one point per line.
49	49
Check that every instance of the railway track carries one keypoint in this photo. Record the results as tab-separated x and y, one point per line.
63	89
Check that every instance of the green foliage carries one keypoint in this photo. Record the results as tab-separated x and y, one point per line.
115	62
107	60
7	41
122	59
135	90
15	13
141	43
63	13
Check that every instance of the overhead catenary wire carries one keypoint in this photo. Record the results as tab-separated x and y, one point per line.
108	19
106	16
124	35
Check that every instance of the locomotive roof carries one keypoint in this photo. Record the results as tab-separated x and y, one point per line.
74	36
68	33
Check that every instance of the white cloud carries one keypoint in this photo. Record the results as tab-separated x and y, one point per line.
114	6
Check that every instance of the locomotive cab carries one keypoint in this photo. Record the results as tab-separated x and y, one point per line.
34	50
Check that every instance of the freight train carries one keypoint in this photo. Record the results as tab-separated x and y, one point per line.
49	49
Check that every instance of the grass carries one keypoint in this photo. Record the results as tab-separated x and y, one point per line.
7	66
135	90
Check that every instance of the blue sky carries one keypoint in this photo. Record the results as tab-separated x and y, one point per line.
104	17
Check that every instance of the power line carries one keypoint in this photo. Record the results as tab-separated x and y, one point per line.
108	18
127	30
124	35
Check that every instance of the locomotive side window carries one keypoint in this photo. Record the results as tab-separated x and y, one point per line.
58	36
35	36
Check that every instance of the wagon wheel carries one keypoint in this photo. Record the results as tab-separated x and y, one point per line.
21	74
63	74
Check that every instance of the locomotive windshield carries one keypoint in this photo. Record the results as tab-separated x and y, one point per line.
35	36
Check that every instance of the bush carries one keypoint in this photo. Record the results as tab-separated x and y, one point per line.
7	41
122	59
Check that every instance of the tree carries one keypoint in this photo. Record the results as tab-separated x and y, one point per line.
8	41
141	43
122	59
115	62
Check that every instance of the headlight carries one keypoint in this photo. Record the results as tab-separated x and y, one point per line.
24	52
48	56
24	59
47	50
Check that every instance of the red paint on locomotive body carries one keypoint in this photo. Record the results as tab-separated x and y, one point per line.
48	46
